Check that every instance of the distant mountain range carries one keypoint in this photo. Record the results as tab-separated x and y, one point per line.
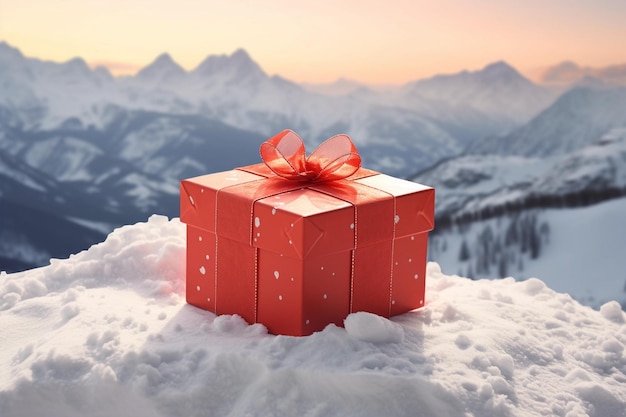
82	152
578	117
415	123
481	186
568	73
506	213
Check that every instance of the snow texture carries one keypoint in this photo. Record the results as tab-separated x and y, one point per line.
475	183
108	332
373	328
581	254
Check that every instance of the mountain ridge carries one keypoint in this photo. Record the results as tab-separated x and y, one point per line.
489	90
254	100
567	73
128	141
482	186
577	117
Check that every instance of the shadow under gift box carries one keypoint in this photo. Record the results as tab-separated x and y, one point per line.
297	256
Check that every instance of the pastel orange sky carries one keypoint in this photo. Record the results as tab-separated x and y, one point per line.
392	41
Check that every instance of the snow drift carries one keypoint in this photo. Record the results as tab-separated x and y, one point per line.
108	332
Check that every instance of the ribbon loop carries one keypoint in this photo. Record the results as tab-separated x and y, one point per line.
334	159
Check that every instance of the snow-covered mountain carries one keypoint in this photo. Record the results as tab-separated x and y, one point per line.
578	250
570	73
499	215
120	145
40	217
235	90
42	94
80	183
576	119
497	89
477	184
341	86
163	70
141	155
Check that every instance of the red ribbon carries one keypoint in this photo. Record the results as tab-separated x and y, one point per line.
334	159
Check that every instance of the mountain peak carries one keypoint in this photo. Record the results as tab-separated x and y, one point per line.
497	88
103	73
11	59
566	72
73	70
500	69
77	63
241	55
164	59
161	69
238	65
8	50
569	73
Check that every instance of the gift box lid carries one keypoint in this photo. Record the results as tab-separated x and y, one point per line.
415	203
306	219
198	195
307	205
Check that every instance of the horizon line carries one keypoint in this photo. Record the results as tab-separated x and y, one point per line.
128	69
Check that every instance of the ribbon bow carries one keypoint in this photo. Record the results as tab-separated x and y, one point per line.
334	159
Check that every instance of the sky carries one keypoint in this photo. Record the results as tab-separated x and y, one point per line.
372	41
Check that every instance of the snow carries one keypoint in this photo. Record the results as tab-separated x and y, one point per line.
488	90
235	90
599	165
108	332
471	182
9	171
583	253
576	118
103	227
65	158
16	246
372	328
579	236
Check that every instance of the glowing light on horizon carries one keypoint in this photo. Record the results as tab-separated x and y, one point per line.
117	68
367	40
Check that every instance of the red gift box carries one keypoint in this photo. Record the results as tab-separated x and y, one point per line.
299	253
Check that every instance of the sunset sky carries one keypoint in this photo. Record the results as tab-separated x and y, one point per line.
389	42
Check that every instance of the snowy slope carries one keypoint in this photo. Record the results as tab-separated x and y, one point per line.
576	250
467	181
107	332
509	215
496	89
575	120
121	174
44	94
163	70
473	184
599	166
341	86
568	73
40	217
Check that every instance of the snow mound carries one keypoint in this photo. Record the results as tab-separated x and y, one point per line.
373	328
107	332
